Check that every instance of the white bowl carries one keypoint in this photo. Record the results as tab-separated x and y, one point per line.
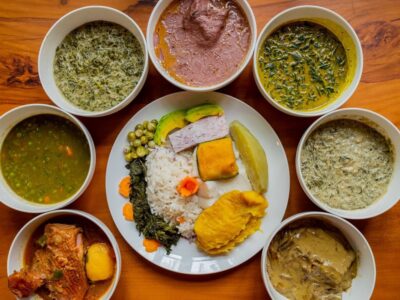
12	118
322	16
155	16
15	260
362	285
56	35
383	126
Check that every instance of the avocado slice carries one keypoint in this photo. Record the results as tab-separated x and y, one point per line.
204	110
167	123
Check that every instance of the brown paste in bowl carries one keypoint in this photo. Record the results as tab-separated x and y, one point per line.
202	42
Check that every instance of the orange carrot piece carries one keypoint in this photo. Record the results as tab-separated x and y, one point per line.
127	211
46	199
151	245
188	186
124	187
69	150
180	219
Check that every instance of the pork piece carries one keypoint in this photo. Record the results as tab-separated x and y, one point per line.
59	267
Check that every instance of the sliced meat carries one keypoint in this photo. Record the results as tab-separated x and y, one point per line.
204	130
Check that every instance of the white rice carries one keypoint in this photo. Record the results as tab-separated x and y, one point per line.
165	169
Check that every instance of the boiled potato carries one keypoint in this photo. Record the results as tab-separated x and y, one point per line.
99	263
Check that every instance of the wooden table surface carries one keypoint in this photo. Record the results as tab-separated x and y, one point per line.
23	25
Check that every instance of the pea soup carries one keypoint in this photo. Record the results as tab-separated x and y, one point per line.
45	159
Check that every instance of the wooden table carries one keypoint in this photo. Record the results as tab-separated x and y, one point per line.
23	25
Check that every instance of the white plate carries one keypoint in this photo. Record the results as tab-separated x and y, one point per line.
185	257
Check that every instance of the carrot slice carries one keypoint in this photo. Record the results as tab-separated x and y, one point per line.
180	219
188	186
124	187
127	211
150	245
69	150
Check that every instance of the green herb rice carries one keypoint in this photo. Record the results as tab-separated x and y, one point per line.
97	65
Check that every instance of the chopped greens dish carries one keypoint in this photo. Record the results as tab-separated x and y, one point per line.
153	227
303	66
97	65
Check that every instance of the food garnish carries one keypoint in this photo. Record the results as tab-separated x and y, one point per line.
45	159
347	164
311	260
203	130
216	160
150	225
127	211
99	264
98	65
188	187
151	245
169	122
229	221
124	187
303	66
253	156
204	110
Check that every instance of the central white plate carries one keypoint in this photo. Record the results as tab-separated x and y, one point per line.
185	257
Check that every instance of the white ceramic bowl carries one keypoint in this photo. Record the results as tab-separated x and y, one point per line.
362	285
12	118
56	35
15	260
155	16
387	129
319	15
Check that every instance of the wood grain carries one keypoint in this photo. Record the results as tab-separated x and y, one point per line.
23	25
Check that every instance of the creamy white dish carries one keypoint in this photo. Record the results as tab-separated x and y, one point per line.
347	164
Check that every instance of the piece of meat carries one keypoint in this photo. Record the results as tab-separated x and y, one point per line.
59	267
203	130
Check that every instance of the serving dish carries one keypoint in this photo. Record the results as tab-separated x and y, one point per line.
362	285
62	28
154	18
383	126
7	122
335	23
15	260
185	258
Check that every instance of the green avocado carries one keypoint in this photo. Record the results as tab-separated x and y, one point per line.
205	110
167	123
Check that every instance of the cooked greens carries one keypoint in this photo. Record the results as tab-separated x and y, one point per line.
97	65
147	223
303	66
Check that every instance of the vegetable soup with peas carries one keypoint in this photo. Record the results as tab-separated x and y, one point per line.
45	159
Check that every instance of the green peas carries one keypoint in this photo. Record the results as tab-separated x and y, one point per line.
151	127
143	140
138	126
151	144
128	157
131	136
149	135
138	133
141	151
136	143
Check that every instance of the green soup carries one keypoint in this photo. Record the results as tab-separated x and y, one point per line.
45	159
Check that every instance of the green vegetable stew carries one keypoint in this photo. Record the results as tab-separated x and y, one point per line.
45	159
303	66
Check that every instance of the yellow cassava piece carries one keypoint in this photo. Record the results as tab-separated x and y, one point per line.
99	264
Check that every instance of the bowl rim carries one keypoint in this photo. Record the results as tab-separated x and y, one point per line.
362	112
248	13
102	226
335	104
123	103
92	166
311	214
